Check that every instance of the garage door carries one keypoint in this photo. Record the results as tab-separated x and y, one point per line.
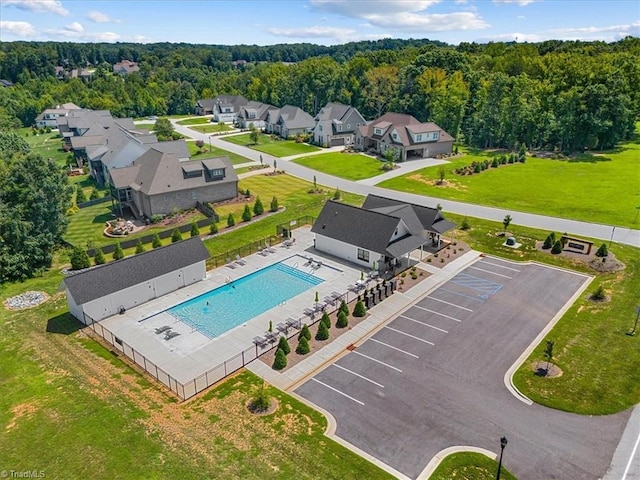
336	142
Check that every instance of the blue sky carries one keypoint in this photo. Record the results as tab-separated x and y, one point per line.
326	22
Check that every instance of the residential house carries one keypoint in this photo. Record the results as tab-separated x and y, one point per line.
253	113
404	134
49	118
114	287
381	233
204	106
224	108
288	121
336	124
125	67
158	183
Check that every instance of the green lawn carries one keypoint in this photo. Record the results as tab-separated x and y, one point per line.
275	147
47	145
469	466
195	121
352	166
601	188
145	126
210	151
212	128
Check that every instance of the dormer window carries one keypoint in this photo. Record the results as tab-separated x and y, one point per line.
419	137
377	131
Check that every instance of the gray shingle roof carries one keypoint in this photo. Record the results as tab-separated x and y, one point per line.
115	276
428	216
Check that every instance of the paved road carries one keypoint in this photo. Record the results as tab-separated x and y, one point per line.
586	229
433	378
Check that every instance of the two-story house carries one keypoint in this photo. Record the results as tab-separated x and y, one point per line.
406	135
336	124
253	113
288	121
49	118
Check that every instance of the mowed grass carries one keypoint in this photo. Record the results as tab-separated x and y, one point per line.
69	408
275	147
47	145
212	128
352	166
209	152
469	466
599	361
195	121
602	188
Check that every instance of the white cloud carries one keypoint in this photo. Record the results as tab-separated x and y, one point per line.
19	29
74	27
101	17
38	6
608	33
81	35
630	29
522	3
312	32
403	15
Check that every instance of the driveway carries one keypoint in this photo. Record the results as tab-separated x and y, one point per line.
432	378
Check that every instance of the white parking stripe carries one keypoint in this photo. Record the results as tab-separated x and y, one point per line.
358	375
395	348
438	313
448	303
376	360
408	335
424	323
337	391
500	266
492	273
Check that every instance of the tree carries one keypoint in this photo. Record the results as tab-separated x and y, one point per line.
326	320
549	241
342	320
98	257
79	259
118	253
548	353
305	332
441	174
303	346
557	247
156	243
465	224
381	85
260	401
95	194
231	221
139	247
284	345
343	307
323	331
163	129
213	228
246	213
253	134
280	360
274	204
359	310
176	235
195	231
506	222
80	196
11	143
258	208
602	251
337	194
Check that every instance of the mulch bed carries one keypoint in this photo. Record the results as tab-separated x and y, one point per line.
448	254
546	370
611	264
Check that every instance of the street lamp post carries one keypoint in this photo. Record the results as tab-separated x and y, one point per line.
503	443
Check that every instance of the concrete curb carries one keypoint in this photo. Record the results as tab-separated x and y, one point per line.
442	454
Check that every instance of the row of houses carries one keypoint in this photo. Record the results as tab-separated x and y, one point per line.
335	124
145	175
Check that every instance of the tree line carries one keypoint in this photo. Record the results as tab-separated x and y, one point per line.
560	95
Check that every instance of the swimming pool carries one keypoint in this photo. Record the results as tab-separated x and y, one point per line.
218	311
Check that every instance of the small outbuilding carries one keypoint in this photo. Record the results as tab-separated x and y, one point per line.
112	288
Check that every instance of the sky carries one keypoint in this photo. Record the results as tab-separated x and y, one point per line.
323	22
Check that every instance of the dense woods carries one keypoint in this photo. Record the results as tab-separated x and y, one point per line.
564	95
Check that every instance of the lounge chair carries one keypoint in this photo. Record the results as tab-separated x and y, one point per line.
260	341
319	264
240	261
353	288
272	337
230	264
282	327
263	251
309	262
170	335
336	295
162	329
309	312
293	323
329	300
270	249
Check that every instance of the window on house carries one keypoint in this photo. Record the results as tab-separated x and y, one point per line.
419	137
339	128
177	195
363	255
217	172
395	136
194	195
377	131
166	197
320	127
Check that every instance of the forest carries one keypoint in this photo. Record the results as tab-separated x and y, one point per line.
561	95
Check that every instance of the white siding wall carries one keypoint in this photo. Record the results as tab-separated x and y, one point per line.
74	309
345	250
401	231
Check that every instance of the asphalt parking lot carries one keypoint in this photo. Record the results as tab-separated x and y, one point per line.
432	378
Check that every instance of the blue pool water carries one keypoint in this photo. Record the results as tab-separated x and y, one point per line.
218	311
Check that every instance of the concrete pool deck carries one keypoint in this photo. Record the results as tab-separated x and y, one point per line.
191	353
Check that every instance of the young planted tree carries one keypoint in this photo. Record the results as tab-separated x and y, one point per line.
548	354
253	134
156	242
139	247
195	231
602	251
557	247
280	361
344	308
441	174
274	204
342	320
258	208
260	401
305	332
506	222
230	220
326	320
98	257
359	310
118	253
213	228
465	224
176	236
303	346
337	194
246	213
549	241
323	331
95	194
80	196
283	344
79	259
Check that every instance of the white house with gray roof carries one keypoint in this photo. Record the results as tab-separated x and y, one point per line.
108	289
336	124
253	113
288	121
380	233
